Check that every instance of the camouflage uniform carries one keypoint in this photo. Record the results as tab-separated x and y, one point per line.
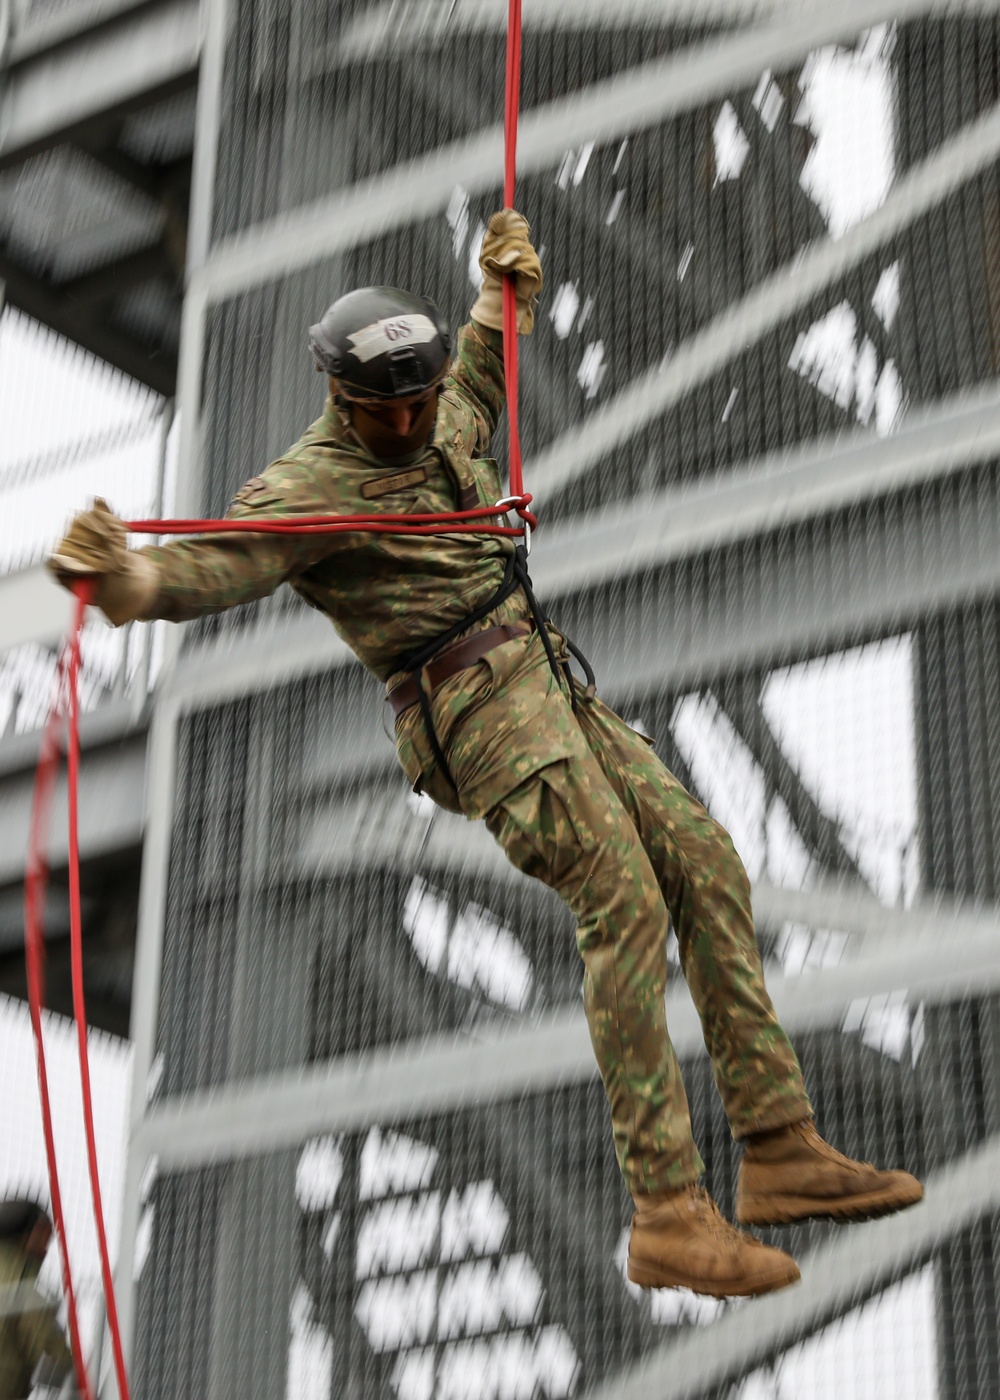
577	800
29	1331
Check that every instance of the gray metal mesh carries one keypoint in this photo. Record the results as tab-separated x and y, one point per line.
759	417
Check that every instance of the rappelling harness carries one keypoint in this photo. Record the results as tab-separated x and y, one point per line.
419	661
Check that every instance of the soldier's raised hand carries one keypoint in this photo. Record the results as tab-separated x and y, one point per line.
506	249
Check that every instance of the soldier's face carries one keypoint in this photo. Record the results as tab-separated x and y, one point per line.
392	428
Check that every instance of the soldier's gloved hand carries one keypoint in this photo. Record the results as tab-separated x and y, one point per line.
96	546
507	249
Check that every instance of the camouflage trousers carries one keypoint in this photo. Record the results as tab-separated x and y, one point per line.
629	850
615	834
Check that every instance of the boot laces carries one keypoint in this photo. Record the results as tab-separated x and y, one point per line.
714	1221
830	1152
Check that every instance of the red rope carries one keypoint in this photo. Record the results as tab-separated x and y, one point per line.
66	702
84	592
34	947
511	104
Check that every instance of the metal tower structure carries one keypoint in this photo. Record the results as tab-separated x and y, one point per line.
369	1153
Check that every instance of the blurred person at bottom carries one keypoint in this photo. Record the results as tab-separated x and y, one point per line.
33	1349
490	723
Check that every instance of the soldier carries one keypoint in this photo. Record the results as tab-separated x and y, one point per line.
31	1342
488	723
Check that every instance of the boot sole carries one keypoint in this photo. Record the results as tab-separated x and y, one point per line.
786	1210
648	1275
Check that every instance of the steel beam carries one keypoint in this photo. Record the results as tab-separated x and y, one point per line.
111	806
836	1278
33	608
783	489
440	1074
146	52
392	25
62	23
634	100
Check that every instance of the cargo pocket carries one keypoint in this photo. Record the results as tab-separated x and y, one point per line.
544	827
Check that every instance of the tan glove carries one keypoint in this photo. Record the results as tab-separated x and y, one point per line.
95	544
507	248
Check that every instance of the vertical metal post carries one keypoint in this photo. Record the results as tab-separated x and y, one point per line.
161	767
148	635
166	712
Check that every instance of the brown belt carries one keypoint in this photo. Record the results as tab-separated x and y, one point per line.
453	659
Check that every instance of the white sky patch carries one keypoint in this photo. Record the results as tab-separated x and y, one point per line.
393	1162
847	102
730	144
573	166
427	919
826	354
330	1235
831	358
318	1172
565	305
475	245
592	368
884	1350
583	161
484	955
885	299
435	1283
474	1221
310	1352
474	950
768	101
846	722
866	381
482	1296
398	1312
421	806
52	394
890	401
457	215
733	788
888	1023
398	1234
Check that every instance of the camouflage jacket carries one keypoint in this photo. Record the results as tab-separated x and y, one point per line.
385	594
28	1327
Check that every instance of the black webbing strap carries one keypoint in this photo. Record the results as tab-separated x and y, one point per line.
515	576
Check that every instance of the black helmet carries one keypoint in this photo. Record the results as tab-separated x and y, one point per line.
382	343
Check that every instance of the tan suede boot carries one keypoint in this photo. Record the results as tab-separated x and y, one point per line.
679	1240
792	1174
